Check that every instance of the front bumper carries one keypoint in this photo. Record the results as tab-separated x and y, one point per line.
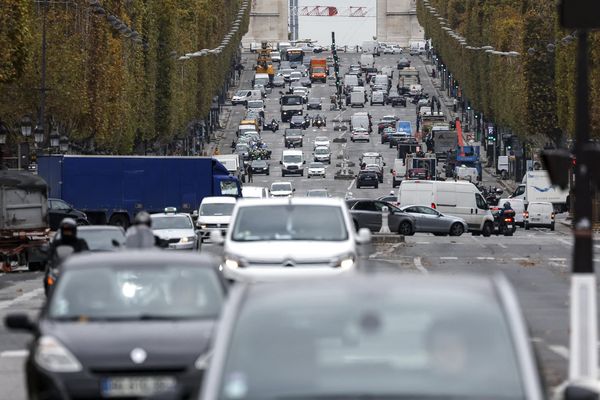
298	171
88	384
182	246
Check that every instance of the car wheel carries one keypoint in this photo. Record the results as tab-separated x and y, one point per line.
357	186
283	174
376	185
405	228
487	229
268	173
526	226
552	227
308	176
457	229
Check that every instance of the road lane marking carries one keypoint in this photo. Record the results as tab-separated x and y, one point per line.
486	258
419	265
422	242
559	350
564	241
19	299
558	259
502	246
14	353
448	258
351	184
520	258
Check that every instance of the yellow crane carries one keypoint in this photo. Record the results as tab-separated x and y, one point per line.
264	64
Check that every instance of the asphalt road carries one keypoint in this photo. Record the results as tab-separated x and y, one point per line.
536	262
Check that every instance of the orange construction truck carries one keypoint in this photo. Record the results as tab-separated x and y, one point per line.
318	69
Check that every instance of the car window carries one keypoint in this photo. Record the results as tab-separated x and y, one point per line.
60	205
427	210
520	190
171	222
102	239
365	206
137	291
481	203
413	210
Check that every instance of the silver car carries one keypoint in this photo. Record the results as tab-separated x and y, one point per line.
374	336
175	228
432	221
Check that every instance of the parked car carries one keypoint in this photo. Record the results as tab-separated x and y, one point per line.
540	214
367	178
432	221
59	209
102	333
260	167
374	336
367	213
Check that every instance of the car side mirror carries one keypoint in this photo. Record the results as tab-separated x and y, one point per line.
280	162
294	189
115	243
363	236
581	391
19	321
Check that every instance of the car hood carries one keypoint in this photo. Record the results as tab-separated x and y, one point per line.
214	219
281	250
108	345
174	233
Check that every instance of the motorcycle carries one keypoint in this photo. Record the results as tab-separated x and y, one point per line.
271	126
306	122
319	122
493	195
504	222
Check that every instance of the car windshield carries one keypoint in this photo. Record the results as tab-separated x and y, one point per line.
290	222
314	101
292	159
255	104
389	344
322	150
291	101
137	291
241	93
259	163
281	187
216	209
297	118
102	239
317	193
317	165
171	222
321	139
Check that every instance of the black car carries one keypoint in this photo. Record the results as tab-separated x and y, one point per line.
260	167
298	122
124	325
403	63
59	209
314	104
293	138
367	178
395	99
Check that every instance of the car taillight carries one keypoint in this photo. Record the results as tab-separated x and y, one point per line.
525	214
508	219
433	206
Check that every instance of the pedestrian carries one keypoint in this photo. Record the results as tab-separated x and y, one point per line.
455	104
439	105
249	172
418	121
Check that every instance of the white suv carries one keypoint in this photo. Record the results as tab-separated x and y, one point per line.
214	213
277	238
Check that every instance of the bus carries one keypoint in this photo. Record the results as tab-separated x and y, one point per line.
295	56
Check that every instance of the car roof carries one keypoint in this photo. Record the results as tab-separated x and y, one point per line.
321	147
84	228
140	258
218	199
333	202
169	215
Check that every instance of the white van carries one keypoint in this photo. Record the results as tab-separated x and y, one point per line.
214	213
360	120
292	162
255	192
357	99
519	206
461	199
366	61
539	213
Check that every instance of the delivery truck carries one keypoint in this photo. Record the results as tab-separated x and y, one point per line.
536	187
318	70
112	189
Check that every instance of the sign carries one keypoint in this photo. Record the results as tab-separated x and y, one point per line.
404	127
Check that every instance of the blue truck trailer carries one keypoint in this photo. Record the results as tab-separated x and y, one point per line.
112	189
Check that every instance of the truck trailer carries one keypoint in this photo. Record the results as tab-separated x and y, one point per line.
112	189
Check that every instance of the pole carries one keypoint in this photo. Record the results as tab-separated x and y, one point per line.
42	112
583	361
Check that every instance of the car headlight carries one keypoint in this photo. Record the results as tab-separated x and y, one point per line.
232	263
202	226
51	355
345	262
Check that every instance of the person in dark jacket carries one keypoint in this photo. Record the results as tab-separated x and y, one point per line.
68	237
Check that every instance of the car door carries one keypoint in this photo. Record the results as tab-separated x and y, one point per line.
367	215
433	220
420	218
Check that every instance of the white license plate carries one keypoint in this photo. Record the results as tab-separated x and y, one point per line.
509	226
535	219
136	386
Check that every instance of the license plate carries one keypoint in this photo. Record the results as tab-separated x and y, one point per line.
136	386
509	226
535	219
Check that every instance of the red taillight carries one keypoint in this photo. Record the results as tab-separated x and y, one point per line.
433	206
508	219
525	214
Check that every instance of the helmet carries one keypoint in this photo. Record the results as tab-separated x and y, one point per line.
391	192
142	218
507	205
68	228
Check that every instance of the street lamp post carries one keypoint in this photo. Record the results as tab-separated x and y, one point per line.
4	131
43	88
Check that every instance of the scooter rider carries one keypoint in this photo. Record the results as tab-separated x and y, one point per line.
140	235
68	237
505	208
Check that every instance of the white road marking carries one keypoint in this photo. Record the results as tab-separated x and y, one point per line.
502	246
19	299
351	184
14	353
564	241
423	242
486	258
558	259
419	265
520	258
448	258
559	350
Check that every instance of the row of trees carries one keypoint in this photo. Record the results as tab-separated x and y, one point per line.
109	92
531	94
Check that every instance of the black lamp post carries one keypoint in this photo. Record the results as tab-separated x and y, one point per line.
26	126
64	144
4	131
54	139
38	134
